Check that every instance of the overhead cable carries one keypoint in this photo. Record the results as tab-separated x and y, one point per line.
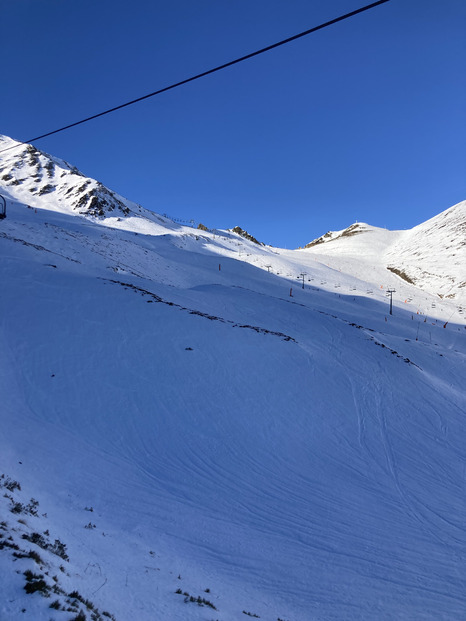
210	71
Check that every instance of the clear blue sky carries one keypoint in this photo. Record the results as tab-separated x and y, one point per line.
364	120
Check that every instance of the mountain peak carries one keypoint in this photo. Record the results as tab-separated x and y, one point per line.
36	178
353	229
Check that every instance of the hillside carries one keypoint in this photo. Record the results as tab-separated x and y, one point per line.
431	256
183	439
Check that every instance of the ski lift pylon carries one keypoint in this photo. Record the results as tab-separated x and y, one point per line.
2	207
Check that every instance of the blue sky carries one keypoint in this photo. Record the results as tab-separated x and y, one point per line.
364	120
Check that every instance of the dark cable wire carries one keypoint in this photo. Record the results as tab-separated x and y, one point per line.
201	75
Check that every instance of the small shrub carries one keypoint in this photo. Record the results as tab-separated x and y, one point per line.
75	595
59	549
32	507
200	601
11	485
36	583
17	507
35	557
36	538
5	543
31	576
31	554
205	602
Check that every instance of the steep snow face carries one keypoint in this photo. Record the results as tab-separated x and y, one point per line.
202	419
431	256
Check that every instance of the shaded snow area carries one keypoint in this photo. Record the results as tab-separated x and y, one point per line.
182	439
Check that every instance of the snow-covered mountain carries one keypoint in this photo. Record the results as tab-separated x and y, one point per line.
196	426
431	256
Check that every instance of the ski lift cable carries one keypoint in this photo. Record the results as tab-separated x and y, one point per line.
205	73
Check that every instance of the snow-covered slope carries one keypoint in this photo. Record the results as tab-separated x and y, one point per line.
200	444
431	256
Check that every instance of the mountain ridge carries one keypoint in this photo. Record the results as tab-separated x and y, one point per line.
430	255
204	421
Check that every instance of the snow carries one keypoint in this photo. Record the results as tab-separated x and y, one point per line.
432	255
301	457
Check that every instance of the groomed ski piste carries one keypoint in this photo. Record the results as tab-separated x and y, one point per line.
182	439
